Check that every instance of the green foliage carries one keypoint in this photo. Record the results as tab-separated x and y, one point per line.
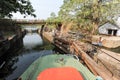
7	7
53	18
8	25
89	13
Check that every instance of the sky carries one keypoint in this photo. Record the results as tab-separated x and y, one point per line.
43	8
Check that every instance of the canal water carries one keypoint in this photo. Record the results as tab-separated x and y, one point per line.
116	50
16	63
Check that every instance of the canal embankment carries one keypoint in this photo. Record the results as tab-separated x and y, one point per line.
11	44
11	37
107	41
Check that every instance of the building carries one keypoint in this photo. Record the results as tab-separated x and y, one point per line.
109	29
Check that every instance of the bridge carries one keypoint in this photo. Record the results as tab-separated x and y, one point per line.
32	21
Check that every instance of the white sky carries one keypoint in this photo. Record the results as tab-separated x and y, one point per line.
43	8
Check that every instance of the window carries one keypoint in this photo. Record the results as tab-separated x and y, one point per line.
112	32
115	32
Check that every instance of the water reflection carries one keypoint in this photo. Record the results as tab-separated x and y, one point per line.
116	50
17	63
31	40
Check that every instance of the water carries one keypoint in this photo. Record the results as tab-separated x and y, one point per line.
116	50
31	40
17	63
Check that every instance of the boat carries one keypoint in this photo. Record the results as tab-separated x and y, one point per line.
58	67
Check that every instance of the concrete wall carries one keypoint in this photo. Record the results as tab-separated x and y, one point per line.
108	41
11	44
118	32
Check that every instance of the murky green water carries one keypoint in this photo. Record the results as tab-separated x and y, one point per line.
117	50
17	63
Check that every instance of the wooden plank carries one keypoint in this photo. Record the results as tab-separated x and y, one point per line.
62	40
61	48
113	54
111	63
61	44
48	36
106	75
96	68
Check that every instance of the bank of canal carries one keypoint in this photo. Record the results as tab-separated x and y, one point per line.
16	63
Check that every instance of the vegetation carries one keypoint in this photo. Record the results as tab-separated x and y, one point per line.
7	7
53	18
88	14
8	26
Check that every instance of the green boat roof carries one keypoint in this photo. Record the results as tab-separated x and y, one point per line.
55	60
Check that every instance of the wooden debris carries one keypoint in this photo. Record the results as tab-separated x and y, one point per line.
93	66
103	63
111	61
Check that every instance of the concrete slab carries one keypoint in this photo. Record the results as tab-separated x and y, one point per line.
108	41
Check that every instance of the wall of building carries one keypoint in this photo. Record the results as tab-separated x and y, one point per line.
104	29
118	32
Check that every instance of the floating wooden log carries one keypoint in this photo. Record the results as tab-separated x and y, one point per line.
93	66
48	36
62	40
63	49
61	44
111	61
97	66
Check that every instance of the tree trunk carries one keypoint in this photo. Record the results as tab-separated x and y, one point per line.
95	16
95	27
